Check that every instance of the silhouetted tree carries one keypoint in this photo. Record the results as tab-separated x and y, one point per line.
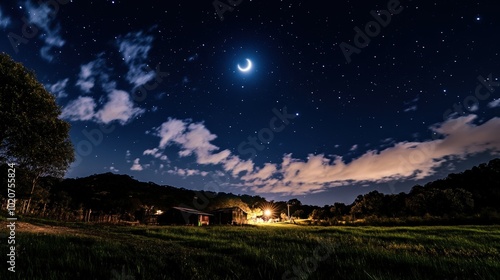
31	133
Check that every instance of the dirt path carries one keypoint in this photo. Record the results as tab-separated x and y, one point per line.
45	229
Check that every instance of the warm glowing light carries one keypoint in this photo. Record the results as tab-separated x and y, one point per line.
267	212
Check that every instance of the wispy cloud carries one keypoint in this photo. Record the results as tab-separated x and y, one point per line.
43	16
134	48
187	172
5	21
92	72
411	108
80	109
494	103
473	107
411	105
155	153
59	88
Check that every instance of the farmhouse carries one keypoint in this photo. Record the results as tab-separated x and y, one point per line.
229	216
184	216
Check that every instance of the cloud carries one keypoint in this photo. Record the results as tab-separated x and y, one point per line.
5	21
411	108
43	16
354	148
404	160
136	166
155	153
134	48
236	165
127	155
187	172
473	108
58	89
93	71
113	169
118	108
193	138
80	109
494	103
415	160
263	173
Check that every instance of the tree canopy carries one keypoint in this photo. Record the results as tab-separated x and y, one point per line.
31	132
32	135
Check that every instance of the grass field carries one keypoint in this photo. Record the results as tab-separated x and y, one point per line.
48	250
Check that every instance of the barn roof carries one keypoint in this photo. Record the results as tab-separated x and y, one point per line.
191	211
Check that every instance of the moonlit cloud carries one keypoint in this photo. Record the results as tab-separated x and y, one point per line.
411	105
193	139
118	108
187	172
411	108
5	21
136	166
134	48
473	108
494	103
404	160
80	109
58	89
127	156
263	173
460	137
92	72
155	153
43	17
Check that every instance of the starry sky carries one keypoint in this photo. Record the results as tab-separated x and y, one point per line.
337	99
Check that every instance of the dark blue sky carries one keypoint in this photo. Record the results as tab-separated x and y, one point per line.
341	99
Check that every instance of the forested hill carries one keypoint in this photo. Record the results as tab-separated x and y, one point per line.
118	194
473	193
482	181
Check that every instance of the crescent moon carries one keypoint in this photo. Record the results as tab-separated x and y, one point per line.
246	69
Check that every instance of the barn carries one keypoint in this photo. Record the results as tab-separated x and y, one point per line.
229	216
184	216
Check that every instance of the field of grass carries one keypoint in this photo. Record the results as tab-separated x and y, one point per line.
86	251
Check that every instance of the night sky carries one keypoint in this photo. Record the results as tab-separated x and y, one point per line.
335	100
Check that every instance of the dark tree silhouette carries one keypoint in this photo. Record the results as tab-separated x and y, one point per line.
31	133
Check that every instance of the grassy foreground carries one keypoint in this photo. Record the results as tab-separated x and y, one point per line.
83	251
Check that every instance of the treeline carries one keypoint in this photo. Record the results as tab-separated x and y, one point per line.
470	196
